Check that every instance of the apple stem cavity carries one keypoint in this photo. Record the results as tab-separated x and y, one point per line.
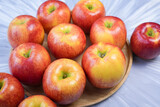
27	54
20	22
64	75
90	6
108	24
51	9
1	84
150	32
66	31
101	54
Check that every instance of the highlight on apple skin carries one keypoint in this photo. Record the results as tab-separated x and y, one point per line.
145	40
109	29
28	62
23	29
11	91
37	101
66	41
52	13
104	65
64	81
86	12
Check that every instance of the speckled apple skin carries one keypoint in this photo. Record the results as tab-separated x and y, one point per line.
104	72
12	92
68	90
29	70
62	14
37	101
30	31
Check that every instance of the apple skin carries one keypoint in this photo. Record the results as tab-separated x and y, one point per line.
143	45
23	29
29	70
37	101
106	71
115	34
60	14
64	90
66	41
84	17
11	92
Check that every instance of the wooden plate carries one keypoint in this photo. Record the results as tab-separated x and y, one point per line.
91	94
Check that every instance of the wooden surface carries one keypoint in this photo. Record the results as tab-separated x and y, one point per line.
91	94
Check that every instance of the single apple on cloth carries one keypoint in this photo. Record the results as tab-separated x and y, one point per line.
28	62
53	12
37	101
11	91
23	29
86	12
145	40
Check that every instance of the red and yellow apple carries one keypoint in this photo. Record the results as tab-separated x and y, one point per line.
11	91
37	101
145	40
109	29
86	12
66	41
28	62
23	29
52	13
64	81
104	65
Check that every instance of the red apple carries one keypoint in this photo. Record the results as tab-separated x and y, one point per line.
86	12
52	13
11	91
109	29
37	101
104	65
145	40
28	62
23	29
64	81
66	41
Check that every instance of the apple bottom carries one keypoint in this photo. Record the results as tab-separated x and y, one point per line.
64	81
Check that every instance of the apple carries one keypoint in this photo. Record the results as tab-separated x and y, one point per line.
53	12
109	29
104	65
64	81
28	62
37	101
23	29
86	12
145	40
66	41
11	91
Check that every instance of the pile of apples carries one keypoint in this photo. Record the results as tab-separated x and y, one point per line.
64	79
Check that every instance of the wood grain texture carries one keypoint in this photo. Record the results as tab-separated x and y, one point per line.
91	94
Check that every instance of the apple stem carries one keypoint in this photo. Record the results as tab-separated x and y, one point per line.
108	24
27	54
64	76
89	6
150	32
102	55
1	84
51	9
